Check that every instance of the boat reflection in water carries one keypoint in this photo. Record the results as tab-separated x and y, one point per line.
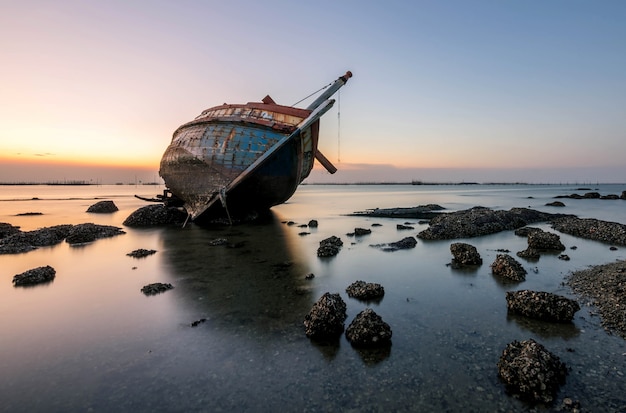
248	277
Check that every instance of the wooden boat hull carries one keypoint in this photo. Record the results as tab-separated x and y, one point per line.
209	153
234	159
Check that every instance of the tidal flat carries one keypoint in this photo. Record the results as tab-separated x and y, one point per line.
229	335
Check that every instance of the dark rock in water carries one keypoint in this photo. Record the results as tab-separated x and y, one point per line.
312	223
465	254
326	319
368	330
403	244
7	230
83	233
556	204
545	241
217	242
35	276
507	267
530	371
564	257
623	195
329	247
401	227
152	215
140	253
418	212
542	305
590	228
20	242
156	288
479	221
529	254
28	214
103	207
526	231
609	196
362	231
365	291
47	236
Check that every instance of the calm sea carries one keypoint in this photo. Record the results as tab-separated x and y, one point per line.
91	341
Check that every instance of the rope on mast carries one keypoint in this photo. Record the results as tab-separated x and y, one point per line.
314	93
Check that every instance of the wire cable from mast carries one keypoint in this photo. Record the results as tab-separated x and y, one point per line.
314	93
339	126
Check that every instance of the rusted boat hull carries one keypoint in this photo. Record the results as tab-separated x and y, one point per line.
237	158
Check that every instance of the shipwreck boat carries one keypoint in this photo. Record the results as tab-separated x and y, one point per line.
236	158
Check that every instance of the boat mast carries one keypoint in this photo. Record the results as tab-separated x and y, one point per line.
337	84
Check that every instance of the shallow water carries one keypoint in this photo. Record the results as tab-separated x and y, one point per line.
90	340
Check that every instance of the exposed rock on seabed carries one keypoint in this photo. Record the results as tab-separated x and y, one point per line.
590	228
604	286
368	330
506	266
157	214
141	253
82	233
542	305
465	254
103	207
35	276
156	288
531	371
417	212
480	221
365	291
326	319
329	247
403	244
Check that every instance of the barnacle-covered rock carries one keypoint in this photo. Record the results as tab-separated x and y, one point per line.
368	330
465	254
35	276
542	305
156	288
507	267
403	244
329	247
152	215
140	253
82	233
365	291
590	228
530	371
326	318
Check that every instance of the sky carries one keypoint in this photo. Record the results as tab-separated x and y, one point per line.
443	91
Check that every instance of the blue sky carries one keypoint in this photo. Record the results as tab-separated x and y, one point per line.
442	90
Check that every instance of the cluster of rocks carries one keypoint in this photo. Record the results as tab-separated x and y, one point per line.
329	247
529	370
103	207
539	241
542	305
325	323
365	291
590	228
153	215
14	241
156	288
464	255
35	276
593	195
418	212
479	221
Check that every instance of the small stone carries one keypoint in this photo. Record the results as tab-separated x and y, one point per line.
140	253
156	288
103	207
